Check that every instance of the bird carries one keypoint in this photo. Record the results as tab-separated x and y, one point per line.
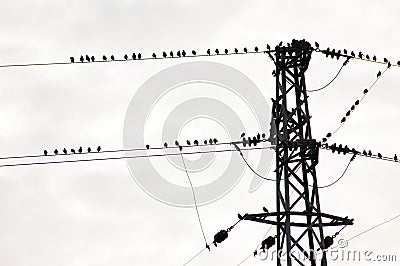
344	51
389	64
196	142
112	58
265	210
134	56
379	74
171	54
89	149
316	45
73	151
245	49
154	55
385	60
98	148
360	55
164	54
379	155
147	146
81	59
329	135
180	148
365	91
55	151
178	53
87	58
72	59
343	120
242	135
205	142
280	43
208	52
45	152
357	102
352	108
226	51
139	56
398	63
369	153
258	136
268	47
215	141
188	142
255	253
80	150
256	49
104	58
365	153
193	52
217	51
65	151
183	53
348	113
165	145
395	157
374	58
92	58
126	57
210	141
236	50
367	56
353	54
263	135
176	143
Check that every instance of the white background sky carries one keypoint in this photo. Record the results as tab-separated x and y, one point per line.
93	213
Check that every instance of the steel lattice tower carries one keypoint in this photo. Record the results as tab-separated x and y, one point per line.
298	217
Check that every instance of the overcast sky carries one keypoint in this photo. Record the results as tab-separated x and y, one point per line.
94	213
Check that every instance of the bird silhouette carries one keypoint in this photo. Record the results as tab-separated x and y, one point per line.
357	102
236	50
379	74
178	53
112	57
92	58
379	155
98	148
164	54
65	151
256	49
258	136
73	151
80	150
268	47
348	113
165	145
104	58
329	135
72	59
171	54
217	51
280	43
147	146
365	153
188	142
45	152
365	91
265	210
385	60
395	157
139	56
360	55
344	51
343	120
176	143
126	57
180	148
55	151
193	52
367	56
263	135
245	49
81	59
353	54
226	51
89	149
183	53
134	56
196	142
352	108
154	55
242	135
316	45
374	58
210	141
215	141
369	153
205	142
87	58
398	63
208	52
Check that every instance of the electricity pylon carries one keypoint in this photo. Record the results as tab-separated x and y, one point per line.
298	218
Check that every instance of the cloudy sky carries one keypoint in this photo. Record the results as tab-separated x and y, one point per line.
94	213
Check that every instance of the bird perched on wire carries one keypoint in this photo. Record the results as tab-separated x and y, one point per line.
73	151
193	52
178	53
268	47
316	45
176	143
188	142
80	150
242	135
217	51
104	58
65	151
395	157
139	56
134	56
98	149
365	153
112	57
72	59
126	57
147	146
205	142
369	153
208	52
236	51
165	145
245	49
55	151
81	59
256	49
385	60
45	152
89	149
215	141
154	55
164	54
196	142
92	58
374	58
379	155
87	58
379	74
183	53
226	51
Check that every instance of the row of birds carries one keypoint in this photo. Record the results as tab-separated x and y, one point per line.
73	151
171	54
345	149
211	141
338	53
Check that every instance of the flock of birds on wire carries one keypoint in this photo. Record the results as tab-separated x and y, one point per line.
333	53
72	151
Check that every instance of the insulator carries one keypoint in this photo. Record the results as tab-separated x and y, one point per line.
268	242
328	241
220	236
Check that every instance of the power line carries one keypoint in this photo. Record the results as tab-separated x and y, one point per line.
194	197
340	177
330	82
125	157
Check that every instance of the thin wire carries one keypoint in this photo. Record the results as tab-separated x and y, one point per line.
340	177
330	82
123	157
130	59
194	197
195	256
